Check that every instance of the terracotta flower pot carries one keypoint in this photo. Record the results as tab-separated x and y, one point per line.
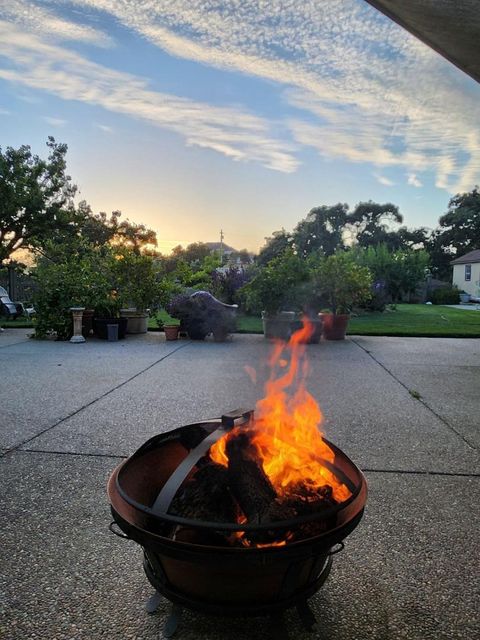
335	326
171	331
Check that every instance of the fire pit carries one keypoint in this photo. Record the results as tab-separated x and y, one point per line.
236	516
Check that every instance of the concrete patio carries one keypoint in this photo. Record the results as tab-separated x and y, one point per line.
406	410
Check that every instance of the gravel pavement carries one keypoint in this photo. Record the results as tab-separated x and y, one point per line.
406	410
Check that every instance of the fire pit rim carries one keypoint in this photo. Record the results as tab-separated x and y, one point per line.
224	526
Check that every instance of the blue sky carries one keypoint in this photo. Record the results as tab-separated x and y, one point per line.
191	116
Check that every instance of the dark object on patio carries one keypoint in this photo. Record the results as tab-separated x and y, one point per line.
100	327
7	307
200	314
206	559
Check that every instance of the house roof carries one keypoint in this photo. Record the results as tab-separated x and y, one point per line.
451	27
218	246
471	256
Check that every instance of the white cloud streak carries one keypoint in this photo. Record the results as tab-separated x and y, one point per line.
103	127
43	22
232	132
384	180
357	86
55	122
413	180
369	91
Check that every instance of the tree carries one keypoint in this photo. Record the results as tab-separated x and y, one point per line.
369	222
395	273
274	247
322	230
99	229
36	196
460	226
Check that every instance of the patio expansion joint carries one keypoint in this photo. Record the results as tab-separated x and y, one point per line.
419	399
92	402
413	472
77	454
111	456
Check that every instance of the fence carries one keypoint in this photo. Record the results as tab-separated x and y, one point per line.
20	286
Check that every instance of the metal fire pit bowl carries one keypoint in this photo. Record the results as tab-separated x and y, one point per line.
221	579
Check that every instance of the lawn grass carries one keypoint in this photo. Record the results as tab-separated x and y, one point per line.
19	323
408	320
417	320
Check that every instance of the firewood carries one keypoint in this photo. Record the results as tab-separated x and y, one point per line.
248	481
206	496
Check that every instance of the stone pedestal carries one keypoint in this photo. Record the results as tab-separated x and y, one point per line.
77	313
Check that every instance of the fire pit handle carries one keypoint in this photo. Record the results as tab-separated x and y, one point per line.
340	546
118	533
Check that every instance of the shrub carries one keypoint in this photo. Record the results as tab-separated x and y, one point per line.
343	282
279	284
445	295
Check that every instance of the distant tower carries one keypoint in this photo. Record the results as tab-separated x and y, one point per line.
221	246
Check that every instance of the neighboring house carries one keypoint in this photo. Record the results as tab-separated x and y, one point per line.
466	273
221	247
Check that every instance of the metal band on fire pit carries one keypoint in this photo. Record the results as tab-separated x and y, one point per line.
170	488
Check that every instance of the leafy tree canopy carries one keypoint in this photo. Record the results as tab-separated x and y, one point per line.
460	226
274	246
322	230
36	196
370	222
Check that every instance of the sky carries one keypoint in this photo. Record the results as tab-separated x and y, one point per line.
193	116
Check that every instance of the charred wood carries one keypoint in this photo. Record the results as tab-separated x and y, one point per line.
206	496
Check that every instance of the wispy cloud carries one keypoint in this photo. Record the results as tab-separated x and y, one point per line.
361	88
103	127
413	180
55	122
370	92
383	180
4	112
231	131
39	20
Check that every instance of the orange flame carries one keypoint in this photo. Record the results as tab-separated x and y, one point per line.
287	423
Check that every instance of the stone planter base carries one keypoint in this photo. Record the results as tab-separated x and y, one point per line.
137	321
279	326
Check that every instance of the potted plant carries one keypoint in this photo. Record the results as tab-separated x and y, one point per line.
137	282
276	291
343	283
107	312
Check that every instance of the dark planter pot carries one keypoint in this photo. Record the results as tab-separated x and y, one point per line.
220	334
100	327
279	326
335	326
171	331
87	322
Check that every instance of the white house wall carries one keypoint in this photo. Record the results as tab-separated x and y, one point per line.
471	286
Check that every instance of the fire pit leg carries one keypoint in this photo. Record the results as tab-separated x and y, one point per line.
306	616
173	621
153	602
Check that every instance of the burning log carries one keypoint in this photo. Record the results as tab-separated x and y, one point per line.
253	490
249	483
206	496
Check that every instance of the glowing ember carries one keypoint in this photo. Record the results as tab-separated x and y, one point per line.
286	431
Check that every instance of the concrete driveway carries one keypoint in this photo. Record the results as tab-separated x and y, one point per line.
406	410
